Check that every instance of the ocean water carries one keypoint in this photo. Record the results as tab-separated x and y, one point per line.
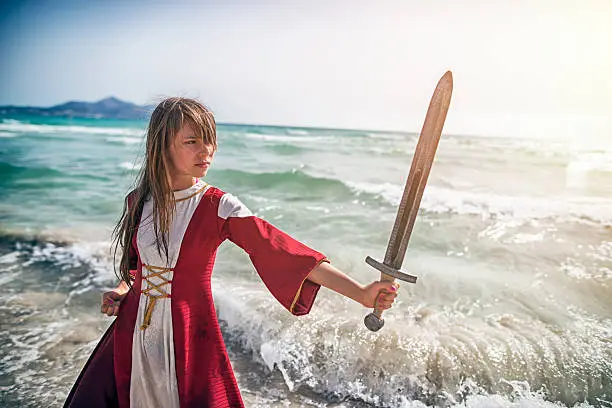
512	247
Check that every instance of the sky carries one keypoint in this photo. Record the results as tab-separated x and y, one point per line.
537	68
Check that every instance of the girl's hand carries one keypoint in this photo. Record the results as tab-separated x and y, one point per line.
112	299
379	295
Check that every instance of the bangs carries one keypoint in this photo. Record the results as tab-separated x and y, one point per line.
202	122
203	131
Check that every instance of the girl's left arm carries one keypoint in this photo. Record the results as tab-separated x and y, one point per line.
379	294
292	271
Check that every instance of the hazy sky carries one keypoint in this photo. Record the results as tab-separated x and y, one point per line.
525	68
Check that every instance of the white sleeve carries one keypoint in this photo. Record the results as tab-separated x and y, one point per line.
231	206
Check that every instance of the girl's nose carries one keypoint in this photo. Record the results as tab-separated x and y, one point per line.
209	151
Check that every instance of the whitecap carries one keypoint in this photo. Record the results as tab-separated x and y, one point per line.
129	166
297	132
124	140
288	138
414	361
441	200
21	127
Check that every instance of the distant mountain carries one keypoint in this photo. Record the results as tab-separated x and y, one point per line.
111	108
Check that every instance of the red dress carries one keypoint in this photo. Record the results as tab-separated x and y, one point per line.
203	372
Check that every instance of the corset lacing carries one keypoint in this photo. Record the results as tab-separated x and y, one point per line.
154	272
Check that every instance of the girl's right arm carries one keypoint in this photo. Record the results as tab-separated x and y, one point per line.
112	299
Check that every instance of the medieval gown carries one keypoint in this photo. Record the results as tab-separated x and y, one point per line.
165	347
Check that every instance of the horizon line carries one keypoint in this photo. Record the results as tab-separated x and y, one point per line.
276	125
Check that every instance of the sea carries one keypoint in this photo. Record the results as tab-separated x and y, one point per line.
512	248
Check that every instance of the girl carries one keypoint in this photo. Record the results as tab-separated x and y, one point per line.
165	347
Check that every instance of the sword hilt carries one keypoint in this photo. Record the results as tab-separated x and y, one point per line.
374	320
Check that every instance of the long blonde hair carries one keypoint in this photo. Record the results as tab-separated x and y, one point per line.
153	180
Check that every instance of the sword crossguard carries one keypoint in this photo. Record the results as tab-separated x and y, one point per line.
387	270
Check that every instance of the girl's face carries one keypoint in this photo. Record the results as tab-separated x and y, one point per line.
189	155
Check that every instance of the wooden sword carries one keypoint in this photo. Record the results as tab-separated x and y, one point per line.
413	192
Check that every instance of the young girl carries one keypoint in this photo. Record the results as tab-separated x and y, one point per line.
165	347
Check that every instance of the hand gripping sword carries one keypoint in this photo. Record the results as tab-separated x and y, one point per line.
413	191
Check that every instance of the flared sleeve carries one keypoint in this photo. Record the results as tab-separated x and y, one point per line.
282	262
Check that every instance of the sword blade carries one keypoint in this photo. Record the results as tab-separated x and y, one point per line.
419	172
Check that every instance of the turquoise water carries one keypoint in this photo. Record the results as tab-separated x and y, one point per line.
512	246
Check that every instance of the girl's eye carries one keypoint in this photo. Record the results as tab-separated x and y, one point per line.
191	142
